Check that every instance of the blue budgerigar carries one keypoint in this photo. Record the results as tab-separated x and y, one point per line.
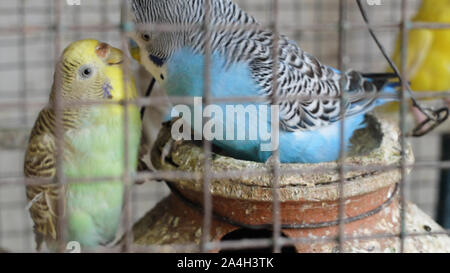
242	65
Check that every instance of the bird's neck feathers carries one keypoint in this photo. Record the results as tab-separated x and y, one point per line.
77	116
115	77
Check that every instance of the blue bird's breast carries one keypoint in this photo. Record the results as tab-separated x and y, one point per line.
186	76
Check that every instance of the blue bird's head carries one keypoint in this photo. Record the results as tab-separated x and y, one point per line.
142	50
153	44
135	52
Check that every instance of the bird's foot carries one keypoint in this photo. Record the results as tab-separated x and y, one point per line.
144	164
166	149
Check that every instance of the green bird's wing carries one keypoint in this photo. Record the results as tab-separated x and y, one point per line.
40	162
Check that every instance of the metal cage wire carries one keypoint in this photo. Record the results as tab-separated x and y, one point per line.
324	28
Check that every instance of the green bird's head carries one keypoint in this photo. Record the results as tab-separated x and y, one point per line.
90	70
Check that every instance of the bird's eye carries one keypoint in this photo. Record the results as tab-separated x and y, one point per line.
86	72
145	37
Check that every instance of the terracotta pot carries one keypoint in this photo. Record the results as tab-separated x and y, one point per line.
300	219
309	201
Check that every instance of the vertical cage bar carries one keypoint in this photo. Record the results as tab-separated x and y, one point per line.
297	7
76	21
104	18
404	24
59	129
318	37
22	61
275	153
207	198
342	64
48	40
127	181
2	188
367	58
22	45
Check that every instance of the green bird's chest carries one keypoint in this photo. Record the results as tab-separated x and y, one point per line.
97	147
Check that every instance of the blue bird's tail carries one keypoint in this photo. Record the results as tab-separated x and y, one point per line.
388	93
387	84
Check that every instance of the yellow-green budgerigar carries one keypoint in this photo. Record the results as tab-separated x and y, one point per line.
428	62
93	147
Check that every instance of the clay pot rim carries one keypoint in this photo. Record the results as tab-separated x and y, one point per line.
293	187
297	193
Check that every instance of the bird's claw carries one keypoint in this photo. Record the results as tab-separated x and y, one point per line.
165	150
143	166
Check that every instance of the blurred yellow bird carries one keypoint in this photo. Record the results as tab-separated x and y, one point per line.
428	62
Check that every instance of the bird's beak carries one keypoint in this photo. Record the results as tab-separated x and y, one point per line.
110	55
115	56
134	51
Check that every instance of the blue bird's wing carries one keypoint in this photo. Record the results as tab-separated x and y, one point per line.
310	91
